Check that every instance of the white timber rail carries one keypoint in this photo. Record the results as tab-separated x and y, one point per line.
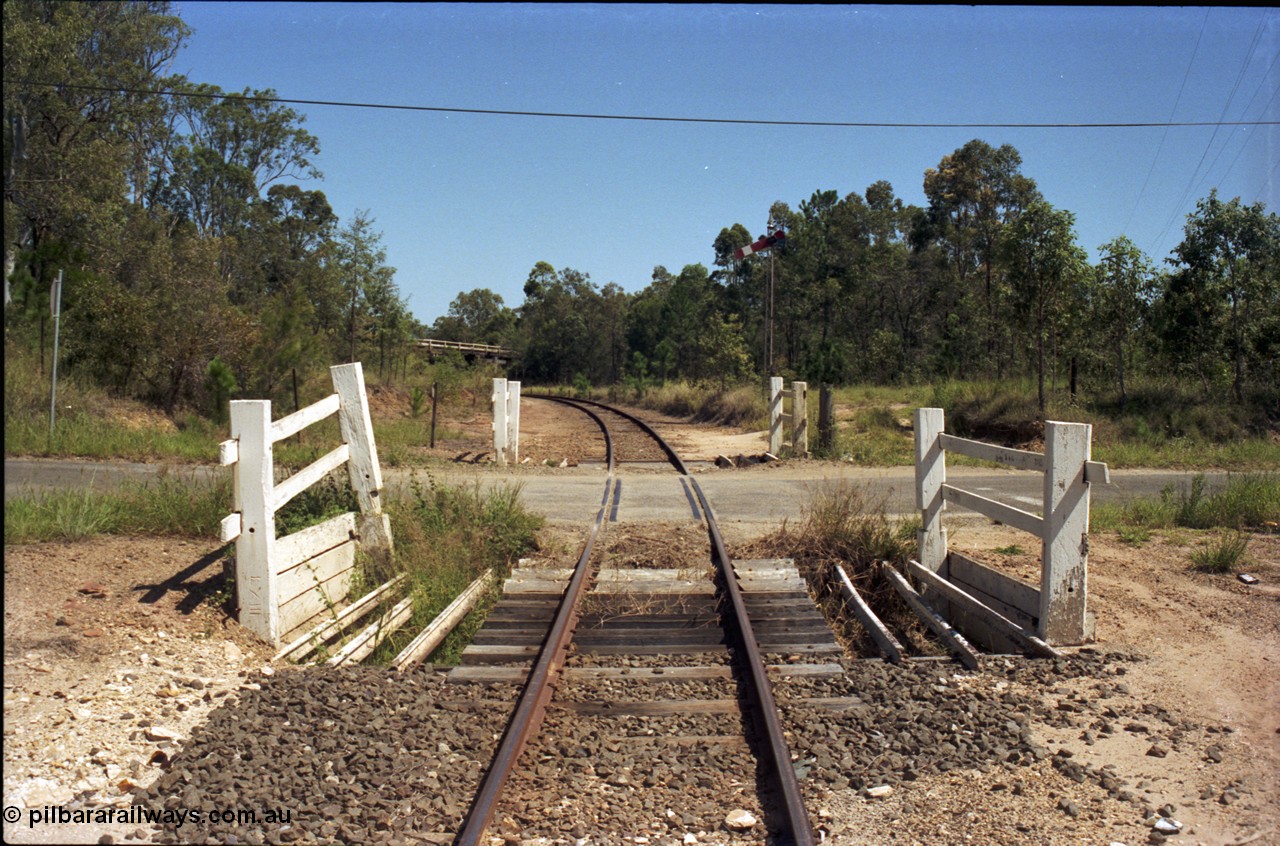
798	417
282	584
506	421
1057	610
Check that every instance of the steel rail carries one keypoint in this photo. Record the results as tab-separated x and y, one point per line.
765	705
527	717
672	455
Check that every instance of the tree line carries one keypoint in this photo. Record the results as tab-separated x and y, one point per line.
197	266
193	261
987	281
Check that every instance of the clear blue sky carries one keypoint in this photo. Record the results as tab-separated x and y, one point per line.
473	201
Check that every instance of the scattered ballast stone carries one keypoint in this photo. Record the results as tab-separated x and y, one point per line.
353	754
740	820
879	791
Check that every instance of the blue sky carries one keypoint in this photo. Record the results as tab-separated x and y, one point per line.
473	201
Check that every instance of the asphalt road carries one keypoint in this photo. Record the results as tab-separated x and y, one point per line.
760	495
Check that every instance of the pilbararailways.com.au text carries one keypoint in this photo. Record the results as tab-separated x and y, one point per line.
51	814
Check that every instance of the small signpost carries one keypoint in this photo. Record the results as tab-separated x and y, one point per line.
55	308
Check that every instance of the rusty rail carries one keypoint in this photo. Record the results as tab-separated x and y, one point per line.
532	705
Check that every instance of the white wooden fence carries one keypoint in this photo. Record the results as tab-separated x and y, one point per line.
506	421
1057	610
284	583
798	417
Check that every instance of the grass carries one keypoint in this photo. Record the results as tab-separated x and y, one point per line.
1224	554
446	537
168	506
843	525
741	406
1163	426
1245	501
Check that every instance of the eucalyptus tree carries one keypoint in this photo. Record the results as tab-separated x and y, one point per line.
560	328
974	194
235	146
1125	283
477	316
1224	296
67	146
1045	268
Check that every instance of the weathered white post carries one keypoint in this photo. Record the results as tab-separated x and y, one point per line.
356	426
931	475
1064	561
500	420
254	483
800	419
513	421
775	414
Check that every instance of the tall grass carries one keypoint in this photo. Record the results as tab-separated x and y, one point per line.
446	537
1222	555
166	506
743	406
1245	501
844	525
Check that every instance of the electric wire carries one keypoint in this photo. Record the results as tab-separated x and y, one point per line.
641	118
1191	183
1208	170
1265	107
1176	101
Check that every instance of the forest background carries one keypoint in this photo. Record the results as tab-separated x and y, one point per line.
199	265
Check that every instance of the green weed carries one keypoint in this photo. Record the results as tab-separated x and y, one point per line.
446	537
1222	555
166	506
1133	535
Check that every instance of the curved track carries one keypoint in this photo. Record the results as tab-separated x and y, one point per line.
792	823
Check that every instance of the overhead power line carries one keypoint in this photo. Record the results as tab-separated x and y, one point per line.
652	118
1173	111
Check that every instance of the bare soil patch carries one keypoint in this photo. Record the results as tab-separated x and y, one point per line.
552	434
114	649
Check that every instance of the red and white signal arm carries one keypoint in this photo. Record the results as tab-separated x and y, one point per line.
764	243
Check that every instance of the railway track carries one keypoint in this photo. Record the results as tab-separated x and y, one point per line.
669	657
614	700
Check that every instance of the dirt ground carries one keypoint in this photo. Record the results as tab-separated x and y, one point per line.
115	648
551	434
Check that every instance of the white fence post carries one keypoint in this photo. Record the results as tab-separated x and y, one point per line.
254	482
1064	563
931	475
800	419
513	421
500	420
775	414
366	473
